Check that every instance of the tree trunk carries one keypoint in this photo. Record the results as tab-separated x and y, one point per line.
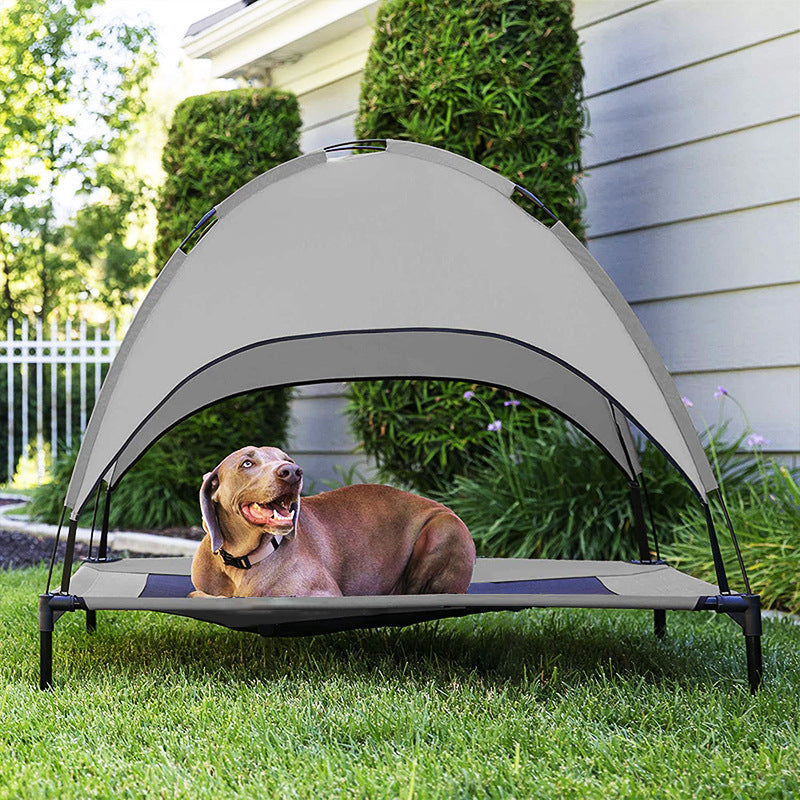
44	276
9	309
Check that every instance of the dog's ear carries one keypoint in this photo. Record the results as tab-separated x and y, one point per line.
209	509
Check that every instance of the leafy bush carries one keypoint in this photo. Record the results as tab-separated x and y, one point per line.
546	491
217	143
161	489
424	433
766	518
500	83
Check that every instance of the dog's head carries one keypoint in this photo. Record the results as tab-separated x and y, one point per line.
250	493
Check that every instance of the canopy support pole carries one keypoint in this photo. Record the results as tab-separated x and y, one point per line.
102	550
721	500
68	556
639	524
719	566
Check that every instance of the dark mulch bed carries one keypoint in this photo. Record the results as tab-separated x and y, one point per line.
196	533
24	550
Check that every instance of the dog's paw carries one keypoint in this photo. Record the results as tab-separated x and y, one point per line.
198	593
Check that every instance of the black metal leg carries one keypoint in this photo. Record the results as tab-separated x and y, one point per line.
744	610
45	642
752	640
755	664
660	622
91	620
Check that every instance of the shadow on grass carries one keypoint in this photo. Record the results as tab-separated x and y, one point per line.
538	650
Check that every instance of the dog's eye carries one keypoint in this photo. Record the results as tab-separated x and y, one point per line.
247	463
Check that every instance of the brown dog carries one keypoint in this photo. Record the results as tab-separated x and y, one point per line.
358	540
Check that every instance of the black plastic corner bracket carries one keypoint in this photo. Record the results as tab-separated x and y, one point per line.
200	229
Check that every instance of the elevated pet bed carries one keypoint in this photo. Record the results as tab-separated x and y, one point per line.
400	261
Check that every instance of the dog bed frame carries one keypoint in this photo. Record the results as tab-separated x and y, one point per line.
389	259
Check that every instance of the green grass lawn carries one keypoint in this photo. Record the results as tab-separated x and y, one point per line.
539	704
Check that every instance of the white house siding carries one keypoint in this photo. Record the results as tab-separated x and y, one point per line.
693	193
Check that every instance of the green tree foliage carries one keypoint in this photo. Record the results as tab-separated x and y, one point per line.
72	92
498	81
217	143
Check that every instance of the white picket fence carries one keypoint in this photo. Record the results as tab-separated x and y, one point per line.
74	345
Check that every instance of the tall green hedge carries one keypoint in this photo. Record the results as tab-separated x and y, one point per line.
217	143
498	81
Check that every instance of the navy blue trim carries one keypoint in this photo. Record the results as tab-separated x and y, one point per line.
582	585
181	585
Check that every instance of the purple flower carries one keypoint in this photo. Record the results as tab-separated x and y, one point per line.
494	426
468	395
514	403
515	459
755	440
687	402
721	392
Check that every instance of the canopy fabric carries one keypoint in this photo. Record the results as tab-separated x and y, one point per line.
407	262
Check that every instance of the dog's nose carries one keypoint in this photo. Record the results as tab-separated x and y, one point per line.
290	473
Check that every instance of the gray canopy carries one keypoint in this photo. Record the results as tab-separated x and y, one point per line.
404	262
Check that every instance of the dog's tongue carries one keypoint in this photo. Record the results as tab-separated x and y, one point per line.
258	514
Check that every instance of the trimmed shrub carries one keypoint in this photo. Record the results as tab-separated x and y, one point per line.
498	81
217	143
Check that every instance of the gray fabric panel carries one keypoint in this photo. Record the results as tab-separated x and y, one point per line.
171	565
438	156
363	243
663	580
405	354
703	473
520	569
261	182
92	580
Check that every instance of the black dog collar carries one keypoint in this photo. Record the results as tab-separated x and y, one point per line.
243	562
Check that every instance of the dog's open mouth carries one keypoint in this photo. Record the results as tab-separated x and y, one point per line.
276	513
